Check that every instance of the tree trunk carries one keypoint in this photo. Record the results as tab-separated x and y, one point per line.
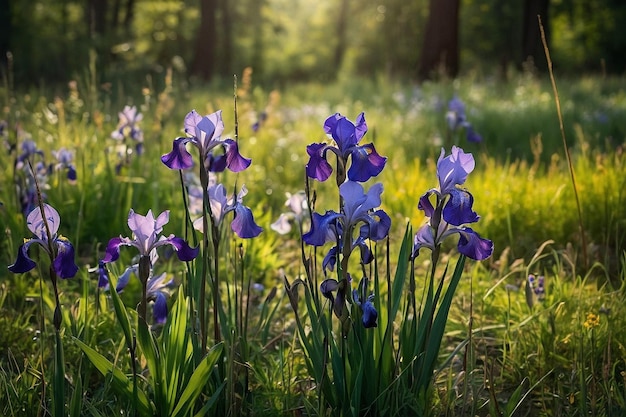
129	16
532	48
226	36
440	50
206	41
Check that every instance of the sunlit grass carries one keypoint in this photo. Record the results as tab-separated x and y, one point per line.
521	187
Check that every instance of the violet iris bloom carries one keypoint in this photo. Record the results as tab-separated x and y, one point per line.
365	161
205	134
146	237
298	210
157	290
59	249
358	208
243	223
456	119
452	209
65	158
128	125
369	314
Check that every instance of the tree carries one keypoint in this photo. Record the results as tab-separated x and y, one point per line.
205	54
440	50
532	47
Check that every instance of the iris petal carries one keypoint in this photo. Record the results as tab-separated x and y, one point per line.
183	250
317	167
458	209
318	235
179	157
159	310
370	315
243	224
63	264
366	163
23	263
474	246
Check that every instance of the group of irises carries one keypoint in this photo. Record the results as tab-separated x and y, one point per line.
356	223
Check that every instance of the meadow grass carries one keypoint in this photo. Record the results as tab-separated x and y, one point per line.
504	351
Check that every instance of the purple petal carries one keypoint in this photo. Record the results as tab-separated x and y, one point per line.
243	224
379	228
317	167
23	263
179	157
320	227
191	122
458	209
112	251
472	136
234	161
103	275
425	203
370	315
366	163
327	287
159	310
183	250
63	264
36	224
344	134
454	168
361	127
473	246
123	279
423	238
330	259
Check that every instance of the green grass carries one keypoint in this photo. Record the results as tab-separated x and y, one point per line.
522	191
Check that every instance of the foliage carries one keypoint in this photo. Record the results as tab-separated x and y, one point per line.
500	353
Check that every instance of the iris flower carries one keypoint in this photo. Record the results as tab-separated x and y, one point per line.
59	248
358	209
298	209
452	209
365	161
369	314
243	223
64	158
456	119
205	134
128	126
146	237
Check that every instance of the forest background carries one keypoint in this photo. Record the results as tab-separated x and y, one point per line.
299	40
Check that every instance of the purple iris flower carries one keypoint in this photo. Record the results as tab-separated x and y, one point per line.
369	315
452	209
59	248
358	208
205	134
29	148
65	158
456	119
128	126
146	237
365	161
243	223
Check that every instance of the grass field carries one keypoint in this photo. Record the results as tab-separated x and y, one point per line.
506	347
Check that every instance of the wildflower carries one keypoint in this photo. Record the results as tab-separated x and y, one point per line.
64	158
59	248
358	208
365	161
29	148
593	320
536	284
452	209
299	208
146	237
205	134
128	127
242	224
156	291
369	314
456	119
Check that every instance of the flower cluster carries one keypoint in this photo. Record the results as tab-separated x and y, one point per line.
58	248
205	133
146	237
451	209
456	120
128	130
359	221
365	162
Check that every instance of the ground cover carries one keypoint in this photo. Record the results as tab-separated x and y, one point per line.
552	344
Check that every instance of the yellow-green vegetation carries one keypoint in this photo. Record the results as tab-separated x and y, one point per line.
506	350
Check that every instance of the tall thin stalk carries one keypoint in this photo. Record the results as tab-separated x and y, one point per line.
565	147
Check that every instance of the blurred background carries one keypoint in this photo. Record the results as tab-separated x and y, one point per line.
53	41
